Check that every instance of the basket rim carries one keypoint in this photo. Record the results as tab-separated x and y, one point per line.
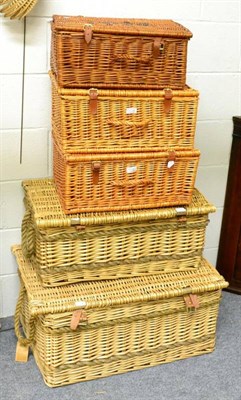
43	188
100	294
123	26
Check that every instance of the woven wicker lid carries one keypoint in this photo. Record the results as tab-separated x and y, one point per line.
42	198
123	26
100	294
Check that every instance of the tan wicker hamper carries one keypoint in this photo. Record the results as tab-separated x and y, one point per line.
119	53
81	247
95	329
123	120
124	181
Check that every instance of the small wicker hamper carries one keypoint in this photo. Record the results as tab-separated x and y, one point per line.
119	53
124	181
124	120
95	329
67	249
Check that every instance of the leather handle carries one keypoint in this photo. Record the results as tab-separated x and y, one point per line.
133	183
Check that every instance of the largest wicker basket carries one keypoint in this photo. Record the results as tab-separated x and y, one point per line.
119	53
96	329
109	245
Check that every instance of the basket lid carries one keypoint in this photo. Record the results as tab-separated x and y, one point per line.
41	196
101	294
121	26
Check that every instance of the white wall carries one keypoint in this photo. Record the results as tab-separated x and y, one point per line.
213	69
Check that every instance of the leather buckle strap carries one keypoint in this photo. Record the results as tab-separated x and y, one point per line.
191	301
168	95
158	47
96	171
77	317
171	160
93	94
88	33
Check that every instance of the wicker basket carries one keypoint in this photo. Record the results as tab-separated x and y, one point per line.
108	182
125	120
119	53
82	247
96	329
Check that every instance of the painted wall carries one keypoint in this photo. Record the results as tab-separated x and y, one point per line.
213	69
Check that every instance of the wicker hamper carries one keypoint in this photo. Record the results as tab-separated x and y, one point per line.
81	247
95	329
124	181
119	53
124	120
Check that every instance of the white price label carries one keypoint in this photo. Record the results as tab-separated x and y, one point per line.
80	303
131	110
132	169
180	209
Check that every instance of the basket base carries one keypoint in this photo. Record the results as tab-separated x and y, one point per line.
55	377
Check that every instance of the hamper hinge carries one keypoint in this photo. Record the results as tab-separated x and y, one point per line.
96	171
171	160
158	47
77	317
88	32
93	95
168	95
191	301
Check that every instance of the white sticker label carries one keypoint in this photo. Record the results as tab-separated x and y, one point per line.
131	110
132	169
180	209
170	164
80	303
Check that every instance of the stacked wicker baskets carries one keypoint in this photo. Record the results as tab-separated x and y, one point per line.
111	265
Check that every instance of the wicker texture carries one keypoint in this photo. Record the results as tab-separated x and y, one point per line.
16	9
109	250
119	53
107	182
126	120
128	324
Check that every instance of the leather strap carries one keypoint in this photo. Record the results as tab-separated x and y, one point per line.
88	33
191	301
171	160
96	171
158	47
93	94
77	317
167	100
21	352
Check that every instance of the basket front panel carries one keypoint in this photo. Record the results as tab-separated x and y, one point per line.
124	184
118	61
133	335
114	126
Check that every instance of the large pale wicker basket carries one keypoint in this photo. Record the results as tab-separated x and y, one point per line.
124	181
66	249
100	120
119	53
95	329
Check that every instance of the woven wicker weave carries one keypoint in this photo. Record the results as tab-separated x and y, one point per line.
124	120
104	246
117	326
111	52
108	182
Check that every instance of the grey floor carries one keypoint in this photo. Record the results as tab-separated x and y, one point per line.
216	376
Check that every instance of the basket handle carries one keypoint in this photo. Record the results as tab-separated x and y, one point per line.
28	235
133	183
157	49
129	124
23	343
